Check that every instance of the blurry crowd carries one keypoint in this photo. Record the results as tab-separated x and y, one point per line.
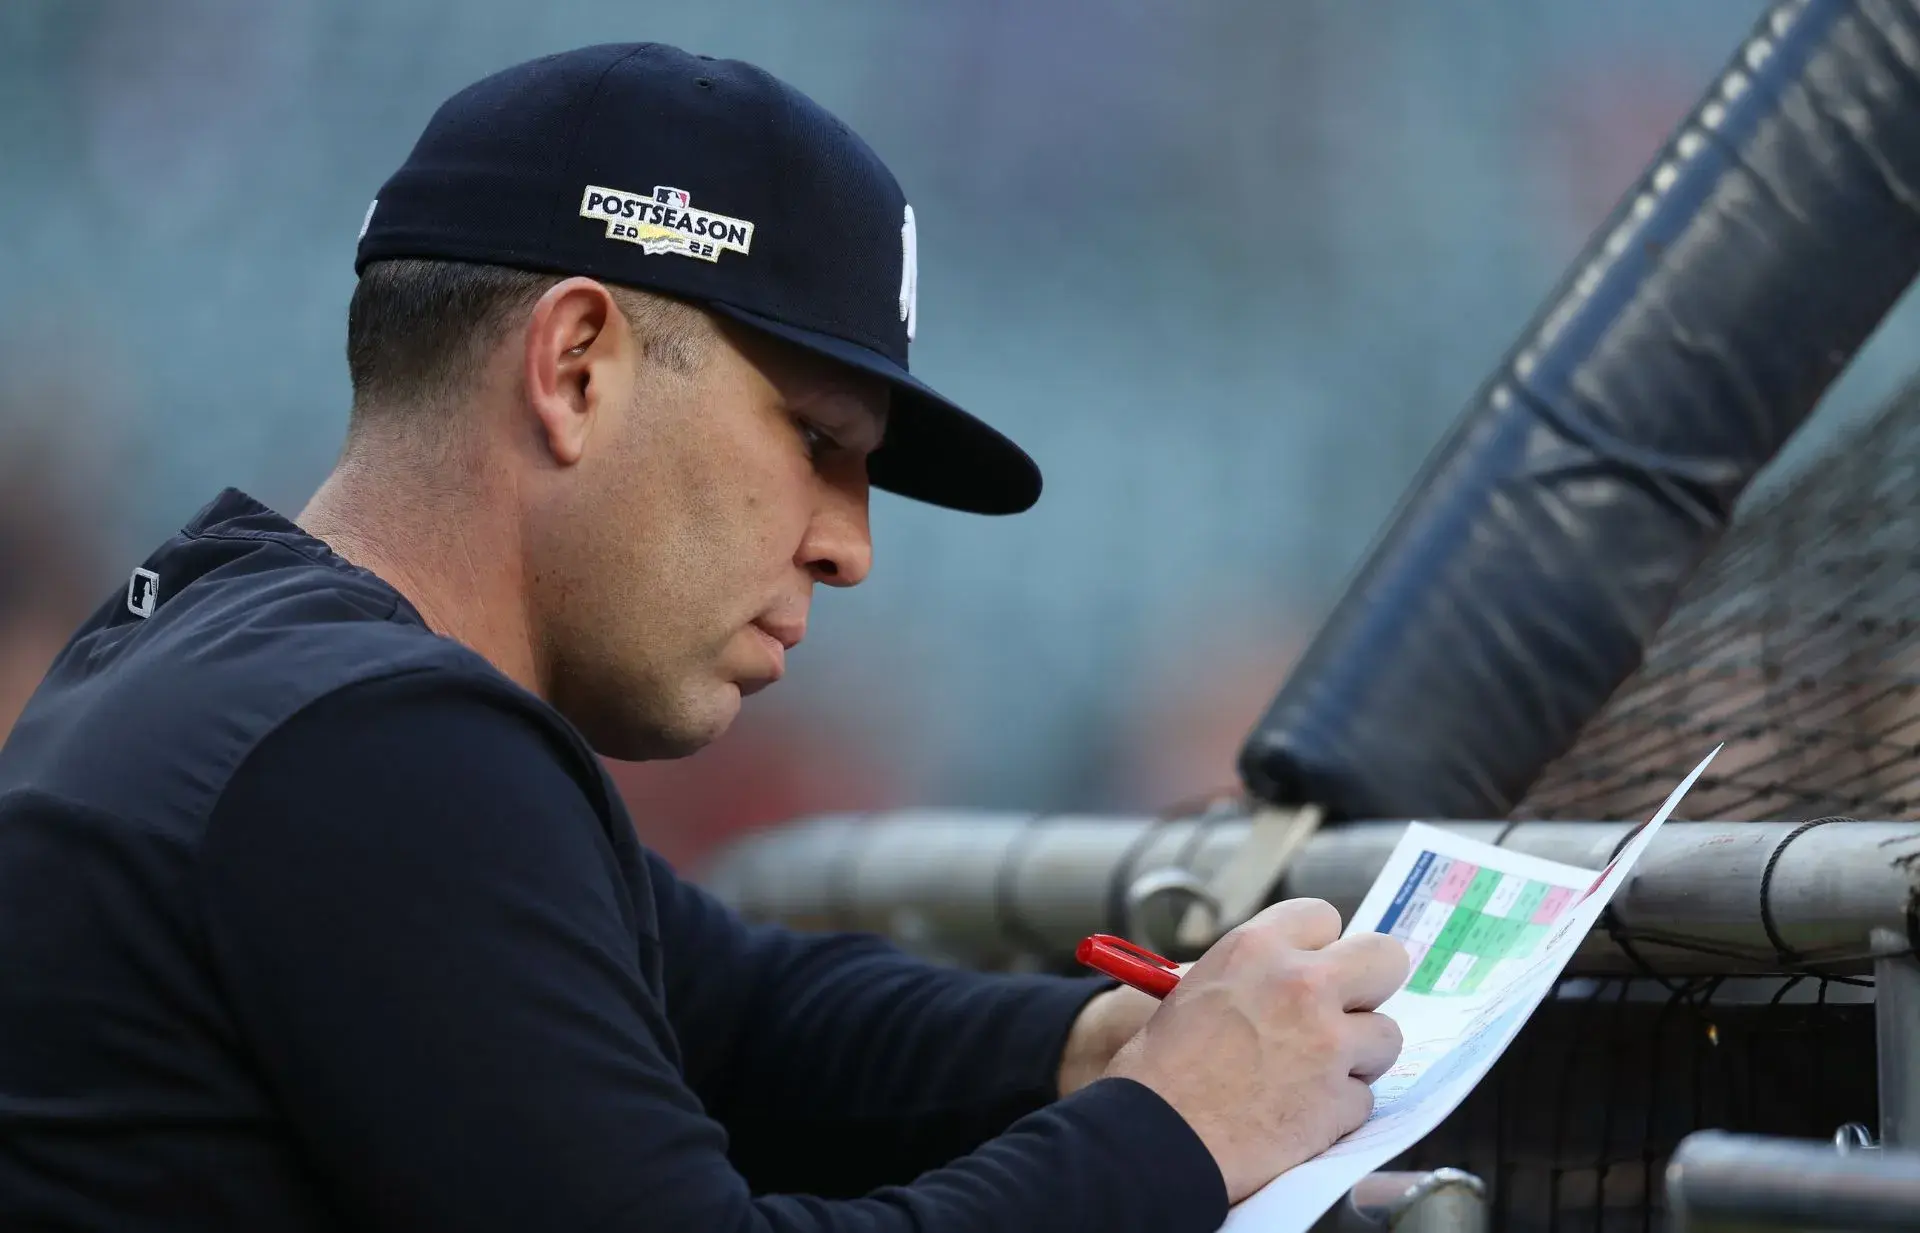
55	484
41	591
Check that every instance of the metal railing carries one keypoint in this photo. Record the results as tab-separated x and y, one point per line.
1440	1201
1722	1183
986	889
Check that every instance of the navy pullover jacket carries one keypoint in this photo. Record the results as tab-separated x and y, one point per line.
312	920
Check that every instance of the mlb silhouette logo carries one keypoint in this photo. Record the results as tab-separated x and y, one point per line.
143	592
672	196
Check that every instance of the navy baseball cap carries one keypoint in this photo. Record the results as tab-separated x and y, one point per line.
714	182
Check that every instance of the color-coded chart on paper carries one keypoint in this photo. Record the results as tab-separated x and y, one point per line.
1461	921
1490	930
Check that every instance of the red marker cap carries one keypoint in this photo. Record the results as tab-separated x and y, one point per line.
1129	964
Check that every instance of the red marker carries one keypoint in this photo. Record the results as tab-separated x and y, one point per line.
1129	964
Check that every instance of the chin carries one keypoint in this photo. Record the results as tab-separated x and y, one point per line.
651	736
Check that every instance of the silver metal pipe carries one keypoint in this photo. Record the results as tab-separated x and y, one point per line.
989	889
1441	1201
1896	1023
1722	1183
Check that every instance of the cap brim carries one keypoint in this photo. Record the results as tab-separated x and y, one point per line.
933	451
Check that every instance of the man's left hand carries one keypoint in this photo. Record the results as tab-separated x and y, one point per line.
1108	1021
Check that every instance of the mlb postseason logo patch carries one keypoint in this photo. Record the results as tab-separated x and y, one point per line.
665	222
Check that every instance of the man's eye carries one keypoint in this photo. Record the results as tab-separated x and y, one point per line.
818	442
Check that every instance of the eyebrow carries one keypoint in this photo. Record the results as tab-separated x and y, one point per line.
874	422
872	398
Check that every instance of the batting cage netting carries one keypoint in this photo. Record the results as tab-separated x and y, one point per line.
1573	1129
1794	646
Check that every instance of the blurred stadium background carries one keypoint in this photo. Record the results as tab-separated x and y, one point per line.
1229	269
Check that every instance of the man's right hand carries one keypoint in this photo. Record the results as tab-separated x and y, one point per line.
1268	1045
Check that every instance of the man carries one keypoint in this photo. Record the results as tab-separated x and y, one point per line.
316	909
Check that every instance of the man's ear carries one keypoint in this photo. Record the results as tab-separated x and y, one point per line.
579	361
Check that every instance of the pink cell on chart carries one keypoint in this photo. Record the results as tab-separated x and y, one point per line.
1556	898
1455	884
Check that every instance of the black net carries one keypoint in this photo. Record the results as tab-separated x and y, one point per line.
1793	644
1573	1129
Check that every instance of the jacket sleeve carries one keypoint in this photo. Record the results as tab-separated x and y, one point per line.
447	985
792	1038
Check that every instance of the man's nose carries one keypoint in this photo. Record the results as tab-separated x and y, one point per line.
838	550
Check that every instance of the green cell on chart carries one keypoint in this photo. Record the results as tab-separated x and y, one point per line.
1529	901
1429	970
1480	889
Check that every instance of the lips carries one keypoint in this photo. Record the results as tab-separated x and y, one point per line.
787	633
776	650
778	637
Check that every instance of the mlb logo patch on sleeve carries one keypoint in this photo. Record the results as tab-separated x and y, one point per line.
666	222
143	592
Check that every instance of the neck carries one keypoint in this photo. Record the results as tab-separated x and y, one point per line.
428	530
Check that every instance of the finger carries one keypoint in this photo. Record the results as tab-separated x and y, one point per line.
1353	1105
1368	968
1303	924
1373	1045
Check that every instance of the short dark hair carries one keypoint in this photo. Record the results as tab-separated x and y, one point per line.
416	328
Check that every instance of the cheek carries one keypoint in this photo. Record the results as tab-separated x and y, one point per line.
758	501
770	520
717	507
736	527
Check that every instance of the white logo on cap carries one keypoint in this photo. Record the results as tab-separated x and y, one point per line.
665	221
909	274
368	220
